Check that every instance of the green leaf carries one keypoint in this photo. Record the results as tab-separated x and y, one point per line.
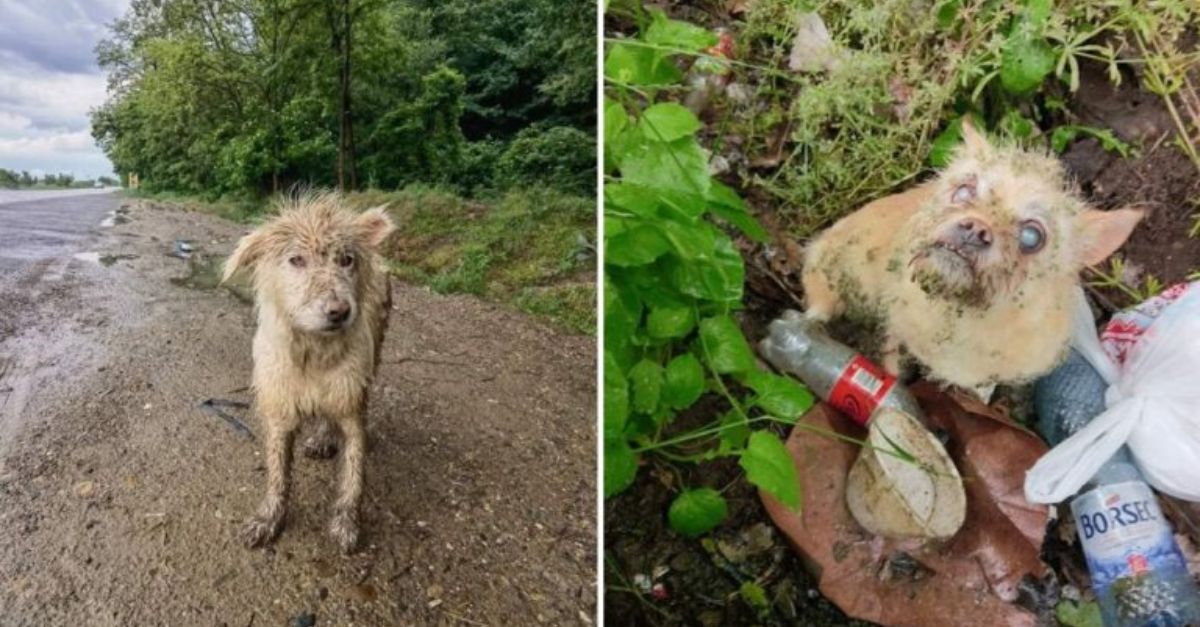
682	206
725	345
1062	136
769	466
622	313
638	65
637	246
646	378
678	166
620	466
616	398
755	596
667	122
720	279
1016	125
676	34
778	395
697	241
942	150
947	13
684	381
1037	13
735	432
1084	614
727	205
634	199
1025	60
696	512
617	131
664	323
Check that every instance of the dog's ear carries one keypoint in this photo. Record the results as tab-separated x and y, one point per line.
374	225
249	250
974	142
1103	232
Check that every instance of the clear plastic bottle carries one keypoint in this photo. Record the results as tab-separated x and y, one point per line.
1138	574
833	371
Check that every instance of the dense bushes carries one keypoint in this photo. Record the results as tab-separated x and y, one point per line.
560	157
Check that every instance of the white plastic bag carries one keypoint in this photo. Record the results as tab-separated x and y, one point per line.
1153	402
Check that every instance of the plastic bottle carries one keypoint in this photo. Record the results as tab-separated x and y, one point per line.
887	495
832	370
1139	576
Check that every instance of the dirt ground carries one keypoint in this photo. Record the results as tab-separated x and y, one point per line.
120	499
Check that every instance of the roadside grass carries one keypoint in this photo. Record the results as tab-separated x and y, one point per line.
532	249
243	210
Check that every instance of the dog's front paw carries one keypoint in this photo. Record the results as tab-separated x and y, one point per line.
257	531
320	447
344	529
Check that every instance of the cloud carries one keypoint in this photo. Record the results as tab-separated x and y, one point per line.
57	35
49	81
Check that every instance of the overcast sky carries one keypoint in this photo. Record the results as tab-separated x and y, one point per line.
48	81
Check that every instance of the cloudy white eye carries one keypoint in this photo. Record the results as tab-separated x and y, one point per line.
963	194
1031	237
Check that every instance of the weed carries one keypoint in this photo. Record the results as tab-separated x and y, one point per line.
1117	278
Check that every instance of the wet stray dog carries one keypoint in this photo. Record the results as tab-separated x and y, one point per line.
973	273
322	297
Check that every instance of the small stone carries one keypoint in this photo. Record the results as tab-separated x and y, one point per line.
434	591
85	488
434	603
307	619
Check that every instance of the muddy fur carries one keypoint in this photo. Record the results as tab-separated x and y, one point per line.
941	269
322	298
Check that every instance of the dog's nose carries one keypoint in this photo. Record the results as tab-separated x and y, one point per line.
337	311
974	233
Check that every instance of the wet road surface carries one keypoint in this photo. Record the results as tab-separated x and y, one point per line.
37	227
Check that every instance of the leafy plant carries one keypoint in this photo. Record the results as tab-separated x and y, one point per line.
819	144
1116	277
672	280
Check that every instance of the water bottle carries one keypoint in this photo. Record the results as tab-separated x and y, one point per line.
835	372
1138	574
889	495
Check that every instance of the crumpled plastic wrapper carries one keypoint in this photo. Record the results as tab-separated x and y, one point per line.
970	578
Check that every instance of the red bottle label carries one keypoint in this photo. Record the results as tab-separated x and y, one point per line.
860	389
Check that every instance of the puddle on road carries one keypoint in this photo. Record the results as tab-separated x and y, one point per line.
117	216
204	273
105	260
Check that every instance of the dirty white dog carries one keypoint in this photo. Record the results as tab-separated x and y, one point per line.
322	299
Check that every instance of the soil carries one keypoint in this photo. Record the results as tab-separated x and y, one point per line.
1161	179
637	538
120	499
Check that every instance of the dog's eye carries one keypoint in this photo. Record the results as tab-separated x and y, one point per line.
346	261
297	261
1032	237
963	194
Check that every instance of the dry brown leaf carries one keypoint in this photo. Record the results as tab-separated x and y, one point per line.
972	577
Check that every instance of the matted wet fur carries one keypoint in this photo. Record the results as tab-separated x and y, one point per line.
322	298
972	273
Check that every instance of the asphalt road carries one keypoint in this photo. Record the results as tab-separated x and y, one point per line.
35	226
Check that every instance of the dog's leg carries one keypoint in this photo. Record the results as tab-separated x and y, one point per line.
324	443
821	301
344	526
266	523
890	355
